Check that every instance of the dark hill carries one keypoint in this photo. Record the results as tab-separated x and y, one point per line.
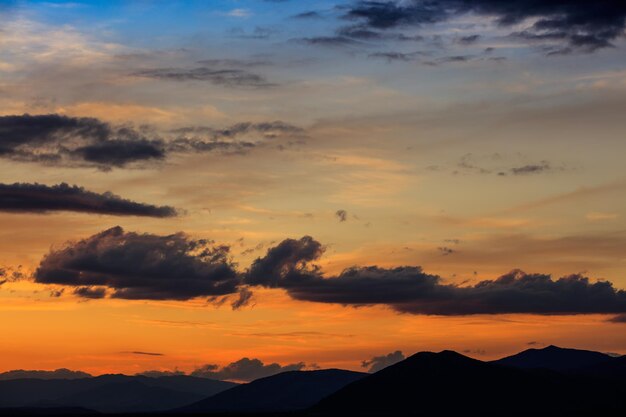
288	391
450	384
555	358
136	393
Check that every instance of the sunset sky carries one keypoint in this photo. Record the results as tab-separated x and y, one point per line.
308	183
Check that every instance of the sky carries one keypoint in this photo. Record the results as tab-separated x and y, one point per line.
308	184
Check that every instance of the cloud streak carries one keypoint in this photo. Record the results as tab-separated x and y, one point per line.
228	77
39	198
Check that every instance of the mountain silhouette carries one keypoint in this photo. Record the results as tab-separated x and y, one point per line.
287	391
614	368
110	393
556	359
450	384
61	373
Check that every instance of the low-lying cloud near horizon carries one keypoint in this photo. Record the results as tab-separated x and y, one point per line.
129	265
243	370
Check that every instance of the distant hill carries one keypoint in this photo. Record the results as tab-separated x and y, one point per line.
110	393
62	373
556	359
614	368
288	391
46	411
128	397
449	384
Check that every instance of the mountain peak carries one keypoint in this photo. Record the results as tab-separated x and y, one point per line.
554	358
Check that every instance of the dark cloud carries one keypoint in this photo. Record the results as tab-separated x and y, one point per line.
618	319
239	63
61	373
377	363
408	289
142	266
10	274
228	77
308	15
342	215
56	139
245	369
364	33
288	256
468	40
138	352
245	298
57	293
583	24
497	164
38	198
445	251
90	292
539	168
86	142
393	56
332	41
267	130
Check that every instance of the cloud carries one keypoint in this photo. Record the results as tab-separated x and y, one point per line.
445	251
394	56
61	373
618	319
10	274
141	266
228	77
468	40
159	374
331	41
38	198
245	369
308	15
586	25
408	289
377	363
539	168
54	139
138	352
267	130
90	292
288	256
342	215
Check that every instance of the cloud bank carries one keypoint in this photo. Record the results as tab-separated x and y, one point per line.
408	289
129	265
